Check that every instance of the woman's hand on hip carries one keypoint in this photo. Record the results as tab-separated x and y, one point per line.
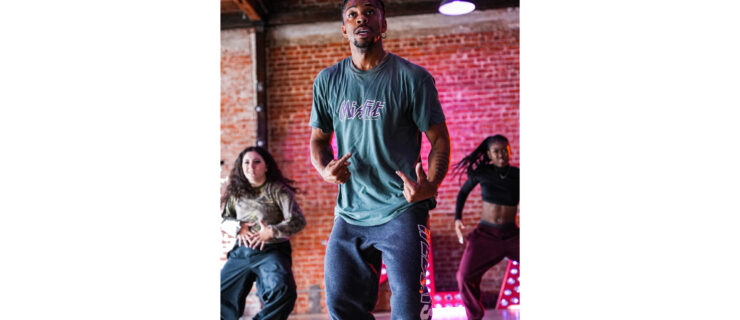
242	237
258	239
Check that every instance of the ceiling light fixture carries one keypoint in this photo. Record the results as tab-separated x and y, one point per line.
456	7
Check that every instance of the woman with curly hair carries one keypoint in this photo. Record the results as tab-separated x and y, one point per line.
261	199
497	234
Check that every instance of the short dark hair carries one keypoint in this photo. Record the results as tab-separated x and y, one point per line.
382	7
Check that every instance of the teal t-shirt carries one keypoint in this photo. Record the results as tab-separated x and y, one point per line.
378	116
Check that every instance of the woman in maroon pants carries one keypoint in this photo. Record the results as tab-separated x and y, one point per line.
497	234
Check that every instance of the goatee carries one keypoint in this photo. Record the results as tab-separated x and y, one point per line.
367	45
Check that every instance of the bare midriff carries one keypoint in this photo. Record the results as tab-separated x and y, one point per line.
498	214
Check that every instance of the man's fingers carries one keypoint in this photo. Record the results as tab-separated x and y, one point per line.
344	158
403	177
340	166
420	172
334	167
338	169
409	187
344	177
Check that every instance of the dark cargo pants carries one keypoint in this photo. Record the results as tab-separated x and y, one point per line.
271	269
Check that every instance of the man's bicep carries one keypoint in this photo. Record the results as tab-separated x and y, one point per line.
321	151
319	136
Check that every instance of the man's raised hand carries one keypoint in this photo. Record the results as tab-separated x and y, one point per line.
420	190
336	171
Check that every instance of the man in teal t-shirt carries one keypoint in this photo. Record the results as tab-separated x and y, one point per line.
378	104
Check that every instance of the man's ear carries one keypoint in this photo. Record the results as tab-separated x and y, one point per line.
344	31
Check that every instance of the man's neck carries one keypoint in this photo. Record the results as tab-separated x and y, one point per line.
367	59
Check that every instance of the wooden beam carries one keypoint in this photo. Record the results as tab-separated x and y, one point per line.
324	14
238	20
229	7
393	9
252	8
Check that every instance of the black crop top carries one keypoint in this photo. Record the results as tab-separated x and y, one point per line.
498	186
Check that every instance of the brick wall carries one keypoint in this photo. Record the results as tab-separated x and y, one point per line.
238	118
475	62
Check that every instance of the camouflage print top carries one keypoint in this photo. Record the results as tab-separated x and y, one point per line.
274	205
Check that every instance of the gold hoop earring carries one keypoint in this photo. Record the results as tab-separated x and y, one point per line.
383	35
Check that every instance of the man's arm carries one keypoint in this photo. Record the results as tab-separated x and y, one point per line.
439	163
439	156
322	158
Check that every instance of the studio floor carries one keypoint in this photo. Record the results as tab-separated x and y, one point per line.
491	314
